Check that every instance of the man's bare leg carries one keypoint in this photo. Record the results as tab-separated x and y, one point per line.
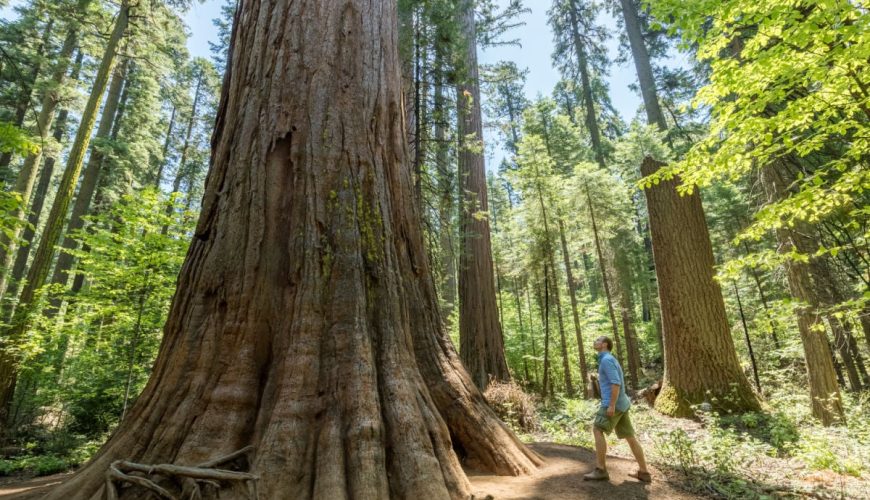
600	448
637	450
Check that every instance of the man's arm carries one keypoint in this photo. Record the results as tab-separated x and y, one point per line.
614	393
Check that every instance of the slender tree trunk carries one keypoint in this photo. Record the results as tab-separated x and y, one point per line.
532	335
90	179
631	348
306	322
544	302
523	341
640	54
557	300
26	95
865	326
575	314
480	335
420	109
586	84
182	172
164	159
446	192
38	272
748	340
827	404
604	279
134	347
27	237
26	177
841	342
763	297
700	360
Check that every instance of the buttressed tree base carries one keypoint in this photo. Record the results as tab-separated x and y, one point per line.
305	322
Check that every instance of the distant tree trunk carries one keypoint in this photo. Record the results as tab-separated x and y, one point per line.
90	178
523	341
532	335
480	335
586	84
572	291
164	159
640	54
865	326
446	193
763	297
544	305
420	121
27	84
557	300
305	321
604	280
26	177
700	360
827	404
39	268
183	172
748	340
23	254
631	348
623	268
841	342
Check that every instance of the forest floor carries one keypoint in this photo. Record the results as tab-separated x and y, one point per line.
561	478
755	455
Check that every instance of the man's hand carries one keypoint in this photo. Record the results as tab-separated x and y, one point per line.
611	410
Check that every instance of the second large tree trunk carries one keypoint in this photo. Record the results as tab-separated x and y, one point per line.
480	336
700	361
305	321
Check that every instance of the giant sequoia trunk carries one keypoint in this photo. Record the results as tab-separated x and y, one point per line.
700	361
305	321
480	336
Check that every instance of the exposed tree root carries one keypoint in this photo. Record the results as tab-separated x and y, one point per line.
122	471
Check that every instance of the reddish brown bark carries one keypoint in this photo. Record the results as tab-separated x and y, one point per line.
305	321
480	335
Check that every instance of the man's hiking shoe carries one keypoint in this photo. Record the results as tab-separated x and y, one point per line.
643	477
597	475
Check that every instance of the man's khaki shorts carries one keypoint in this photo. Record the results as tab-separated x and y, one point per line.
619	422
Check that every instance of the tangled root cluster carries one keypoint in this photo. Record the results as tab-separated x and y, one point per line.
513	405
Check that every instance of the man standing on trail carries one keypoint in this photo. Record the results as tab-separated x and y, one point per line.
613	414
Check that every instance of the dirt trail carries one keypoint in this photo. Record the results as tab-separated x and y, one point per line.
561	478
30	488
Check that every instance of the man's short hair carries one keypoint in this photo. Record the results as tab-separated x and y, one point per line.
606	340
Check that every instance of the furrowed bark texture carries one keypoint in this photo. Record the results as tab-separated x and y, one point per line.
700	361
305	321
480	336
